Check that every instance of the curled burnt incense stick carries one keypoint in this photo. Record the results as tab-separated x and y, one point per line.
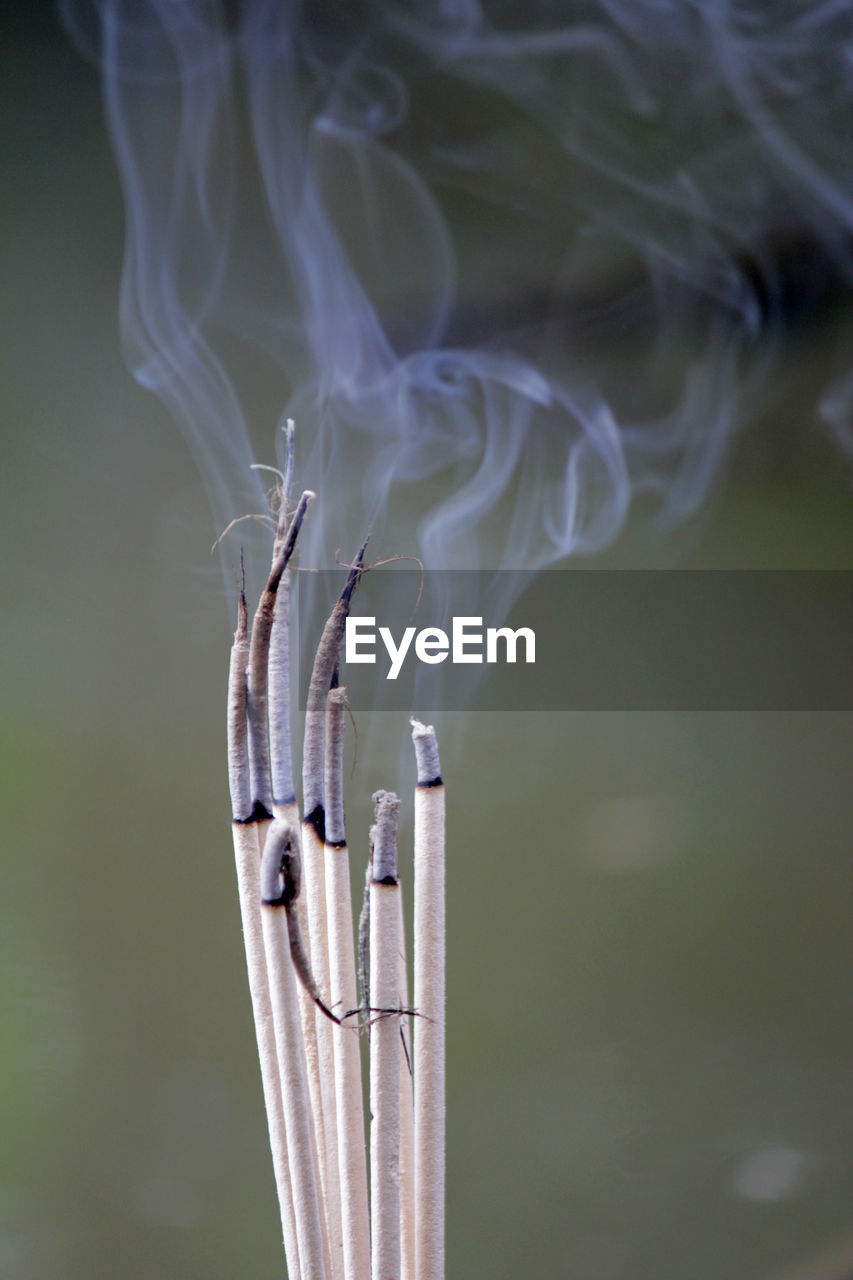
385	1044
246	859
279	888
430	983
352	1167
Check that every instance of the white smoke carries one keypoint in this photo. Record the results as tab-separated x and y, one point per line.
507	268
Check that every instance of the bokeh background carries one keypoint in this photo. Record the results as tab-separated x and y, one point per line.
650	943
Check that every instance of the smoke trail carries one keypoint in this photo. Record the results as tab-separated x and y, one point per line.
506	271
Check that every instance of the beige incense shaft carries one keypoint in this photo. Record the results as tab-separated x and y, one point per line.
385	1052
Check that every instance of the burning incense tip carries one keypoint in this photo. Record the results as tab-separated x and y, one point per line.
426	754
386	815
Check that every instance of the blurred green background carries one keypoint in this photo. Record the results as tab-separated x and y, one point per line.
650	1041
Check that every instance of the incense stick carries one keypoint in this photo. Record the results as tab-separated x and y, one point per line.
284	803
313	837
385	1044
251	786
311	1069
407	1117
348	1087
429	974
246	859
279	888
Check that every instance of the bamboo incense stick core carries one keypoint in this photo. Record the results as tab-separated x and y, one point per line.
429	1036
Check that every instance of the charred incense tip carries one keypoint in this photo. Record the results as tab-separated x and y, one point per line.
426	754
283	558
242	632
280	866
259	813
317	820
384	837
355	572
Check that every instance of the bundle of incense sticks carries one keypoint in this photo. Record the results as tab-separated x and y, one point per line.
294	887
